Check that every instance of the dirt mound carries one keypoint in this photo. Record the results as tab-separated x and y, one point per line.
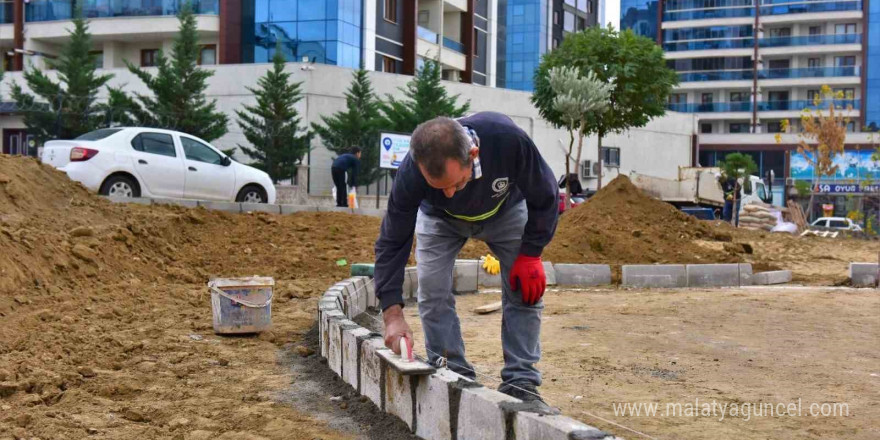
106	323
620	224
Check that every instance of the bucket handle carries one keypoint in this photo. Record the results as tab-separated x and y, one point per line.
214	289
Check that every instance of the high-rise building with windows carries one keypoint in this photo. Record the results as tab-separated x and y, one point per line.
746	65
529	28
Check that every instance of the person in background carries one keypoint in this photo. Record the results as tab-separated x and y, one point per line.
346	163
727	185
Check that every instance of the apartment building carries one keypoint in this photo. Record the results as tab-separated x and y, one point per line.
528	29
746	65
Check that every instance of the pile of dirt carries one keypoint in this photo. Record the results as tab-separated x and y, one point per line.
106	321
620	224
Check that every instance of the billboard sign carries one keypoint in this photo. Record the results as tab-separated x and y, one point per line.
393	147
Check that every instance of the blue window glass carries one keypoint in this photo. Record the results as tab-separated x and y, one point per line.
282	10
311	31
311	10
331	10
640	16
261	11
872	89
324	31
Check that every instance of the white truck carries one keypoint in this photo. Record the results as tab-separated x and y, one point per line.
699	187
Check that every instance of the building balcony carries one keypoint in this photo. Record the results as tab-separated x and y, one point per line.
51	10
763	106
810	72
735	43
768	8
453	45
702	14
810	40
768	74
428	35
711	107
716	75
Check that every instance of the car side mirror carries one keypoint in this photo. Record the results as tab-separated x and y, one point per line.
226	161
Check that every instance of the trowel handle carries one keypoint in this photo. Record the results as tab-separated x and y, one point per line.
406	352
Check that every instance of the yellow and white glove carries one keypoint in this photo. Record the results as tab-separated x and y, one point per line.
491	265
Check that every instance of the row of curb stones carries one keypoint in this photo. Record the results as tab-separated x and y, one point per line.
438	406
444	405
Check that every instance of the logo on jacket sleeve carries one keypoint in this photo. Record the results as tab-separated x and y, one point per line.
499	186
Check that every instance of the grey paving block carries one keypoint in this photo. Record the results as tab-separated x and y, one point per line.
221	206
713	275
465	276
480	416
293	209
261	207
411	282
324	330
771	277
177	202
550	273
863	274
745	274
333	209
529	425
372	377
135	200
399	394
372	212
583	274
432	410
486	280
654	275
350	368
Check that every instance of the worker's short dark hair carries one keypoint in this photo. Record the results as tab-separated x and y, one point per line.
355	150
435	141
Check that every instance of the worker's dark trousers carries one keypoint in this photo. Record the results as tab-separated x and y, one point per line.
341	190
438	241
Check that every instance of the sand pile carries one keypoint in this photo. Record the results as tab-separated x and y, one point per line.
620	224
105	323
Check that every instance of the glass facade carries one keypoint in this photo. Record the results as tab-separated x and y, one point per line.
322	31
523	41
640	16
872	63
48	10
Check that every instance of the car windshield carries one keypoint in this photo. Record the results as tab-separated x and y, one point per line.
97	135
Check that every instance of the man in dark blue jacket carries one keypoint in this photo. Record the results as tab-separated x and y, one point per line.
478	177
350	163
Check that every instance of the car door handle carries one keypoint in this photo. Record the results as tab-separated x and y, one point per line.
141	161
193	169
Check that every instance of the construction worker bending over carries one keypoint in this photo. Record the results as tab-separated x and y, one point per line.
476	177
346	163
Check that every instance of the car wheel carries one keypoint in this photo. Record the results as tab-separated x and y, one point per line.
120	186
252	194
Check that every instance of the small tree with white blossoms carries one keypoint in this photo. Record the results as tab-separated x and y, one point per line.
576	97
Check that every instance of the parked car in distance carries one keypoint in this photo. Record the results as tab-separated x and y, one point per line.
841	223
149	162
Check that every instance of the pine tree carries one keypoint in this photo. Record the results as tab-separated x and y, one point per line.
357	126
273	125
66	108
427	99
178	100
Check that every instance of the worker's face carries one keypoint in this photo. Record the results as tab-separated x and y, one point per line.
457	175
358	155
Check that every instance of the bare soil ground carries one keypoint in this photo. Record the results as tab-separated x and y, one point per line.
603	347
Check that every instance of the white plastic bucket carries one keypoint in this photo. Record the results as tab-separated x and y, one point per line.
241	305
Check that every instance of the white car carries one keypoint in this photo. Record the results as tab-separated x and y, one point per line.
149	162
841	223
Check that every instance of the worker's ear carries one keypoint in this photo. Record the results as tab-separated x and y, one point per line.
474	152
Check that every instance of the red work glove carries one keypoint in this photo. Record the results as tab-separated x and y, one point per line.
528	276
